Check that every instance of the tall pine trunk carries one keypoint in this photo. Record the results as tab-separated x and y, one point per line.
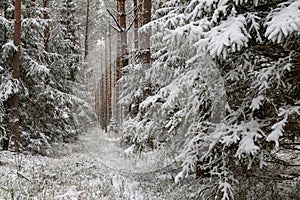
146	34
86	41
108	47
107	80
113	77
122	38
145	46
136	25
16	76
141	20
122	57
47	29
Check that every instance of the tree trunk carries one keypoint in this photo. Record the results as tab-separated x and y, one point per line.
86	41
113	79
103	88
97	101
145	46
118	65
16	76
94	93
141	21
122	57
136	25
146	34
106	84
107	80
47	29
103	101
109	75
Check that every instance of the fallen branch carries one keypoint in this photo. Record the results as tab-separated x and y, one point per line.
23	176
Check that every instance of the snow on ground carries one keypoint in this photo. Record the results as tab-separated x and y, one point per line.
94	167
105	148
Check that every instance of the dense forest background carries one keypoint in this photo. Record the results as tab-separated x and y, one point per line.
212	84
52	102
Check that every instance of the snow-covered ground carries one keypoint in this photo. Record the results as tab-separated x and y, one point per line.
94	167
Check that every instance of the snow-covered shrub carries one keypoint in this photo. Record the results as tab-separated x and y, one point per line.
226	93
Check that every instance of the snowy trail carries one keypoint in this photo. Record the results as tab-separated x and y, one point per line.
104	147
93	168
132	176
146	168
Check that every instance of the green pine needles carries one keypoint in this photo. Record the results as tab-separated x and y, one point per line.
225	82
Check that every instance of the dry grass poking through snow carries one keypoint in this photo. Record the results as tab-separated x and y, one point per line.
74	173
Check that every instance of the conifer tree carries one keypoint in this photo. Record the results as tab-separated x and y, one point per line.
224	95
7	87
52	105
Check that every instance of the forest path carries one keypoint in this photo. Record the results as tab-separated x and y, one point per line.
132	176
94	167
105	148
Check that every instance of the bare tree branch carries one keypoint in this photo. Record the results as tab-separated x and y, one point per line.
116	21
132	22
133	9
115	28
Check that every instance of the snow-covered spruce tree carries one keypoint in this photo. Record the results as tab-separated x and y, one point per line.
7	86
226	98
52	105
57	78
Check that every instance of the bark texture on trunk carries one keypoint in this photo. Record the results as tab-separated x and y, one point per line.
122	46
86	41
145	46
108	79
136	24
16	76
141	19
47	28
122	55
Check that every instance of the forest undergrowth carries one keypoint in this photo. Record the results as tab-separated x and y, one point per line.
96	167
82	170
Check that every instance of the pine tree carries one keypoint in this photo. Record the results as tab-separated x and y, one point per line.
224	95
7	87
52	105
